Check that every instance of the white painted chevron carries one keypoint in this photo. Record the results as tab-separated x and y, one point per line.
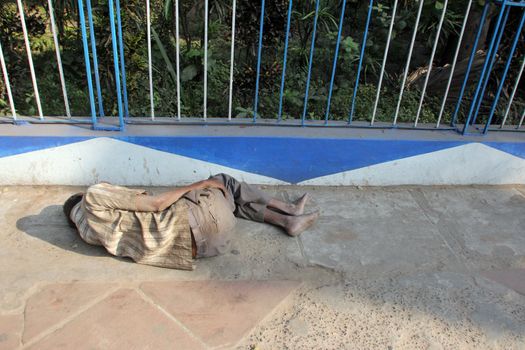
114	161
468	164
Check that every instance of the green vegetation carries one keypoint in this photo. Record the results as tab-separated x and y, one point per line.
191	31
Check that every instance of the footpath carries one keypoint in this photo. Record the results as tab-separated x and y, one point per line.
383	268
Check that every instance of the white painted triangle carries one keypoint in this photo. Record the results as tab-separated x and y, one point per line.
104	159
467	164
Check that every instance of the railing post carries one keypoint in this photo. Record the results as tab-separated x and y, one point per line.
258	71
7	84
59	58
454	62
438	33
409	59
310	62
87	62
285	56
491	53
116	62
122	59
505	72
361	57
232	57
385	58
334	65
469	65
150	59
513	94
30	59
95	57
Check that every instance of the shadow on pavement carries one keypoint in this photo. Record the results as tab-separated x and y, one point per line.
51	226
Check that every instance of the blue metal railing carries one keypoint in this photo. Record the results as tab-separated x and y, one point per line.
493	52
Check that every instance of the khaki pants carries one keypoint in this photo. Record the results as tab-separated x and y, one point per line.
212	216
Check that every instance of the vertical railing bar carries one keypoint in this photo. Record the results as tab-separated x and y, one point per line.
258	71
409	60
95	58
7	84
360	65
59	58
521	120
492	61
281	92
177	58
454	62
469	65
505	72
85	45
232	57
116	61
205	58
30	59
436	42
334	65
488	59
310	62
385	57
150	59
122	59
511	99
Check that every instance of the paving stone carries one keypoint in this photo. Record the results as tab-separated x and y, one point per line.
55	302
513	279
376	233
123	320
10	331
219	312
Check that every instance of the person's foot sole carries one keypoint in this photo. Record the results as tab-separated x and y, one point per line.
301	223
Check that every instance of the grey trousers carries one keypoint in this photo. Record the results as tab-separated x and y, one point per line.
250	202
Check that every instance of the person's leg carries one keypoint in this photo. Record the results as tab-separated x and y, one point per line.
295	208
293	225
251	202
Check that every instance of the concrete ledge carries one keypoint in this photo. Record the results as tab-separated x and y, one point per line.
175	155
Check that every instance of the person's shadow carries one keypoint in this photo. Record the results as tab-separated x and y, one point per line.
50	225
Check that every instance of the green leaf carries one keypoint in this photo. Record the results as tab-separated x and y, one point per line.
188	73
164	54
167	8
403	24
438	5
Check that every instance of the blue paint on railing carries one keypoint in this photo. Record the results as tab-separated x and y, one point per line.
122	60
116	62
504	75
334	65
95	57
281	92
85	45
494	43
486	75
310	62
361	57
471	60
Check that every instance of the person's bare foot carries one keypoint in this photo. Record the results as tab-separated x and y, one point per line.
297	224
300	203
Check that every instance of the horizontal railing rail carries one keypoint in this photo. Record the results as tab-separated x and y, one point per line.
480	82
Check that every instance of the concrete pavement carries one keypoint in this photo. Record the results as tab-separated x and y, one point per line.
385	268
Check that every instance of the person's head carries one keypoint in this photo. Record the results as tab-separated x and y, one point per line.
69	204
